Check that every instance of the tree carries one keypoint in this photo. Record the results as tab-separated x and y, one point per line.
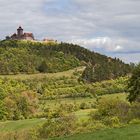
11	108
2	110
101	72
96	73
27	103
64	125
88	74
134	85
43	67
2	93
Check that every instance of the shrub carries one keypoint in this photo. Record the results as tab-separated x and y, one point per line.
64	125
135	121
108	87
84	106
111	121
108	108
89	126
135	110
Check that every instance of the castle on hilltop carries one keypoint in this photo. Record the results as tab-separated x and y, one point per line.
20	35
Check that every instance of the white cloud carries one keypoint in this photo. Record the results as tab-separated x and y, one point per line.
128	57
104	43
101	25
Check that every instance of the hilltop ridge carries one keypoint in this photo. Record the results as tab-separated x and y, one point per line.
18	56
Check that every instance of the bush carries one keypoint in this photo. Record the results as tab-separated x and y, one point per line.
135	110
84	106
111	121
89	126
110	108
108	87
65	125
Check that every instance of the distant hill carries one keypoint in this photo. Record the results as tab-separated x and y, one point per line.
36	57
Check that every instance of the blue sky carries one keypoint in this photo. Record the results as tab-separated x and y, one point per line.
110	27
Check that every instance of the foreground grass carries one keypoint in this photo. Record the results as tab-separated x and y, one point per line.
131	132
11	126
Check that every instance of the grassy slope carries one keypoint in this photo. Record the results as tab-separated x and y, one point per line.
55	103
58	57
68	73
131	132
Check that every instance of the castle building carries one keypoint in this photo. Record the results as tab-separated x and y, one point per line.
20	35
49	40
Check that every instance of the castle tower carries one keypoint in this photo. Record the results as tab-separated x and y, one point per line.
19	31
20	35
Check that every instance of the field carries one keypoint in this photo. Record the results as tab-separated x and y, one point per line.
131	132
55	103
68	73
9	126
62	91
30	123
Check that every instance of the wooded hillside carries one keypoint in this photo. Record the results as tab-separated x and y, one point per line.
34	57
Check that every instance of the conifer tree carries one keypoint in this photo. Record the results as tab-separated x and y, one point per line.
134	85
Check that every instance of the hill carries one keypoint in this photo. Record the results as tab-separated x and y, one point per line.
36	57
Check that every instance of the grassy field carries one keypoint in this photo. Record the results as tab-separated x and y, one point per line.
55	103
68	73
131	132
81	113
9	126
30	123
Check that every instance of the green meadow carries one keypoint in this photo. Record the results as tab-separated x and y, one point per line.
131	132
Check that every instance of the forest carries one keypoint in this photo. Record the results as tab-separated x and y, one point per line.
36	57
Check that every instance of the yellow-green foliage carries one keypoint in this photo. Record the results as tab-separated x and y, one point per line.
114	112
48	88
64	125
109	86
33	57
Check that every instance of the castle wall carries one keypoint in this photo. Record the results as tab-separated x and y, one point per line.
28	38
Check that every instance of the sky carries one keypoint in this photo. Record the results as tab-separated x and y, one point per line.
110	27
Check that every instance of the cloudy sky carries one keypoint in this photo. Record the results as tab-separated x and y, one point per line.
111	27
